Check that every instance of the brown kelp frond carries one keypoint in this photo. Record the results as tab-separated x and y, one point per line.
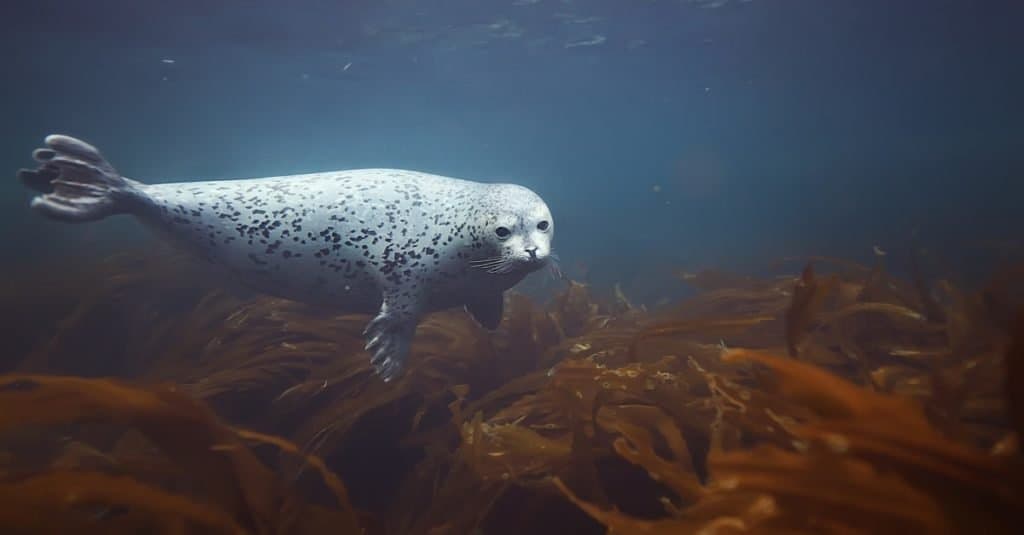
236	486
1015	376
703	326
894	434
330	478
863	462
159	287
768	490
636	445
28	504
832	397
846	491
584	413
743	516
808	296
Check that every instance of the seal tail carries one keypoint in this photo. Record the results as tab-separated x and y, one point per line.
77	184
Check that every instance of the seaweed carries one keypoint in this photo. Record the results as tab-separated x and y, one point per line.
841	399
1014	383
867	462
238	492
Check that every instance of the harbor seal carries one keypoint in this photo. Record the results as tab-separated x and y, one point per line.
392	243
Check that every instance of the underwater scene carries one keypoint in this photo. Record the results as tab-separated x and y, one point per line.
495	267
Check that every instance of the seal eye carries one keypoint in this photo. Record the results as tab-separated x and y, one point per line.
543	225
503	232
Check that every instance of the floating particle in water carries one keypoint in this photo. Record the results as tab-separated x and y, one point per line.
582	20
593	41
656	188
878	250
168	61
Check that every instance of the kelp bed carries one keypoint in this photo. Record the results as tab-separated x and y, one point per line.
839	399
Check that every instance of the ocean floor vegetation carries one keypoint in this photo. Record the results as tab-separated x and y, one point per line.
140	396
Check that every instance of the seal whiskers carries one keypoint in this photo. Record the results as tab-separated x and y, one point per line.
554	266
496	265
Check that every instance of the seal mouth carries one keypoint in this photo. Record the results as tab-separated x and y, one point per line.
534	263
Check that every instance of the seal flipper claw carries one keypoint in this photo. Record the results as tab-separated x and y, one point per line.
389	337
487	310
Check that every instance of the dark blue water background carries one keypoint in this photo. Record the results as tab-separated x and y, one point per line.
663	133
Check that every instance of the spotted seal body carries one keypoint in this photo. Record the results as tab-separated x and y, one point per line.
393	243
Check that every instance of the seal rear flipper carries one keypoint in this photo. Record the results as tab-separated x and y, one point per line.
487	309
77	183
389	335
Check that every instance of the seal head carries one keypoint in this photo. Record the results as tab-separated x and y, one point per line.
517	226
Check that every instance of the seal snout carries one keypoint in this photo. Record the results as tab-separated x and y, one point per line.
535	257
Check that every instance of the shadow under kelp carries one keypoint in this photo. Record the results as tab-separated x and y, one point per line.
884	408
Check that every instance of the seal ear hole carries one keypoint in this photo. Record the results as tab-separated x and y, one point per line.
503	232
543	225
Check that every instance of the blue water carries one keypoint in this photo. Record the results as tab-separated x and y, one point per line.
663	134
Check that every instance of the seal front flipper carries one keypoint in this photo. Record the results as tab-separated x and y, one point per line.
389	334
77	184
487	309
